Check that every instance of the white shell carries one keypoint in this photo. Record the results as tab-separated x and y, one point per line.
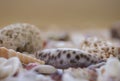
9	67
45	69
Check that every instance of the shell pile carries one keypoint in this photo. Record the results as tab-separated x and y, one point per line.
24	56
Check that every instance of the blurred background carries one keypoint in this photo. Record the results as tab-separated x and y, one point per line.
67	14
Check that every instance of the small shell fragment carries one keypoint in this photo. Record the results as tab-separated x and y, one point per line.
45	69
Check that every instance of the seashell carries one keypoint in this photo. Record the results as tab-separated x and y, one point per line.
25	59
9	67
63	58
110	71
45	69
21	37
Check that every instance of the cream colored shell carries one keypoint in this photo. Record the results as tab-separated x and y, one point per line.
21	37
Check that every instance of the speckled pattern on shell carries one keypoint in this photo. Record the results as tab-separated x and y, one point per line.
100	47
67	57
21	37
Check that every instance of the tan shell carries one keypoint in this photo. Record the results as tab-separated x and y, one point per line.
21	37
25	59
